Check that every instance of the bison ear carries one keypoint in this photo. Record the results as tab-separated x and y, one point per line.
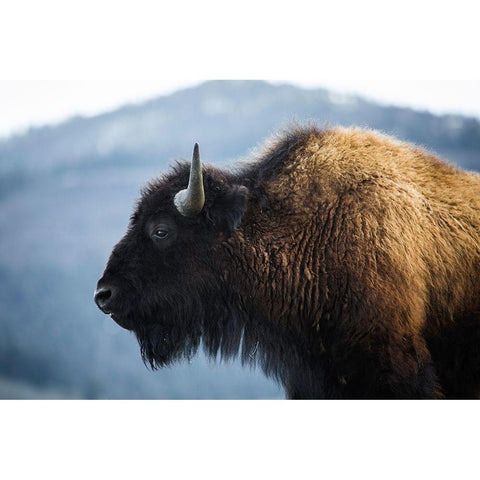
227	210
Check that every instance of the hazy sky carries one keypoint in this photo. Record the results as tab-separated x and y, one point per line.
25	103
339	45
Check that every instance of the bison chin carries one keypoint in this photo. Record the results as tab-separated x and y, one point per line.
161	346
123	322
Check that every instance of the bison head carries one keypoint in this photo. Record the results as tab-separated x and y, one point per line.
164	278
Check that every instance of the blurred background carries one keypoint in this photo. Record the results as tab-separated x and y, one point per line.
73	158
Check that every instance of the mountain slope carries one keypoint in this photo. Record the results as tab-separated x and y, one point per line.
227	118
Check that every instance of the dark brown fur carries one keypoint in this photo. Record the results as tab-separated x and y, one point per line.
354	270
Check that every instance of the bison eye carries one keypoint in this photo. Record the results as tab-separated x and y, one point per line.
160	233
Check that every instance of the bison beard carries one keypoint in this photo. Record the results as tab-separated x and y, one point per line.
225	329
172	337
343	262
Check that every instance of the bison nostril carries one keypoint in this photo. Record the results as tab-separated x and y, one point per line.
102	297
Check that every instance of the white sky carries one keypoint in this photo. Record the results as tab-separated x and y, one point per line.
57	57
37	102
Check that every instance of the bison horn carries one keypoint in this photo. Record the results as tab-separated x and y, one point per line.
189	202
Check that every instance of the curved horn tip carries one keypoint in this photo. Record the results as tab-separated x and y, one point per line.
196	163
189	202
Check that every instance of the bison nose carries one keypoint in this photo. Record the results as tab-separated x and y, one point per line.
103	298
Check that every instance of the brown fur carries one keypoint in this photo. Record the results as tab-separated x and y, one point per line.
371	249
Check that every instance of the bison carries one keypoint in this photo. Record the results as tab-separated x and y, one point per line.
342	261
